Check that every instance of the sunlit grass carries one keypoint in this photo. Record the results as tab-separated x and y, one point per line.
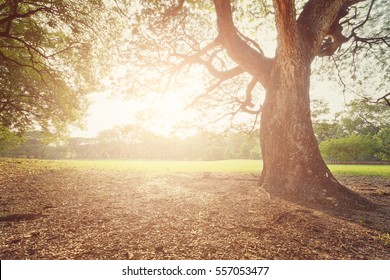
240	166
224	166
360	170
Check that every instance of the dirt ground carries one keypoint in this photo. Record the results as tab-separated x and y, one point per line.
97	214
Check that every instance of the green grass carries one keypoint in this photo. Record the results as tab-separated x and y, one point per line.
360	170
228	166
384	238
225	166
241	166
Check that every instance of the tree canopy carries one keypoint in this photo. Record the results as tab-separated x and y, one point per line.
47	62
170	42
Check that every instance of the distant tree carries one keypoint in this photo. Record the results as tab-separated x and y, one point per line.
58	151
245	150
364	117
255	152
353	135
324	128
109	143
215	152
8	139
32	146
359	117
355	147
383	143
81	147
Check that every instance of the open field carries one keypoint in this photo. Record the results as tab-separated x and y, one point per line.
241	166
180	210
222	166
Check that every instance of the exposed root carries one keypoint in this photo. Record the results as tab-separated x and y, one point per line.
330	195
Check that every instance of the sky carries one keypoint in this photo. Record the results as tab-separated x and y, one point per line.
164	112
106	111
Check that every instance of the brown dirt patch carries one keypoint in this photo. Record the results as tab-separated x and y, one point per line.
95	214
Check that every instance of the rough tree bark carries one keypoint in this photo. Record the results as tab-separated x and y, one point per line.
293	166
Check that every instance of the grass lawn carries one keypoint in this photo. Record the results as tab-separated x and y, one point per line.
360	170
224	166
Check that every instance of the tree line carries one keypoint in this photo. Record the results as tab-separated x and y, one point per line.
359	134
130	142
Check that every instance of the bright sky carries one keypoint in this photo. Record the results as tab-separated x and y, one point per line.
160	114
164	111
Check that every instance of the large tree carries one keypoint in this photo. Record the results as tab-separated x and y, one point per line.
48	62
217	36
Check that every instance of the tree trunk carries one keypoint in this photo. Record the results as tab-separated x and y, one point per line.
293	166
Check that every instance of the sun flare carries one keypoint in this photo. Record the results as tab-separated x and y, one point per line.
160	113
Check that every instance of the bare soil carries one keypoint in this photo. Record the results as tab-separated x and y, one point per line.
97	214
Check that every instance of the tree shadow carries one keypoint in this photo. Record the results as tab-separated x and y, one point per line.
370	210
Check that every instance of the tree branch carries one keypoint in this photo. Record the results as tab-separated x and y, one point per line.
353	31
248	58
223	75
286	24
248	99
21	64
335	38
205	94
315	21
385	98
189	59
173	11
248	94
25	15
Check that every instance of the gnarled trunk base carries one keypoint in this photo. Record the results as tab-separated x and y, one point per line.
309	188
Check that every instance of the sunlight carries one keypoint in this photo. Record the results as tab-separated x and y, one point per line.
164	114
156	112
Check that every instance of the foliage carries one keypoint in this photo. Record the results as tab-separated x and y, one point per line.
323	127
169	44
34	144
361	65
48	62
8	139
358	134
355	147
363	117
132	142
383	141
359	117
